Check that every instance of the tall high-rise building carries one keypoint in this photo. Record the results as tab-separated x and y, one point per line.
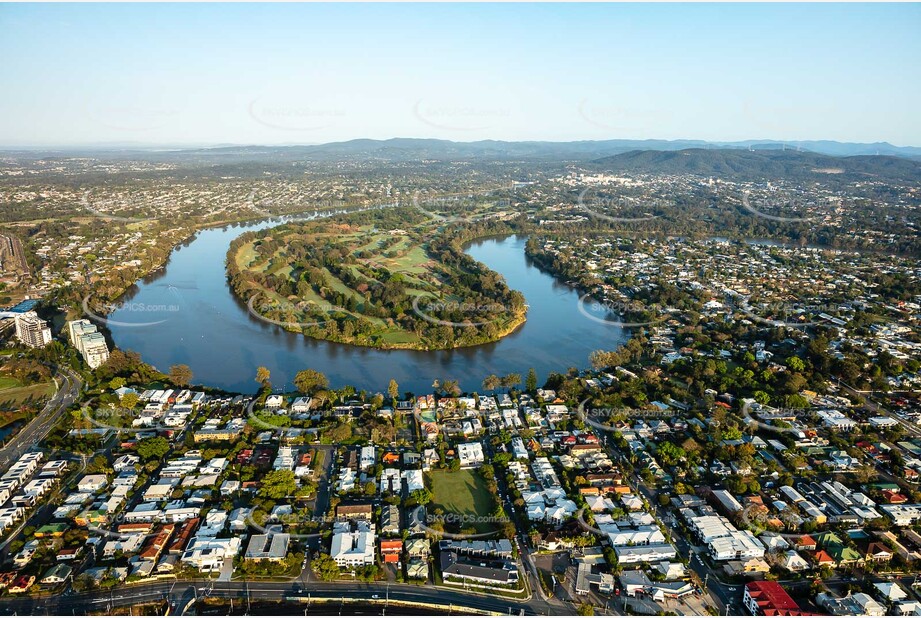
32	330
89	342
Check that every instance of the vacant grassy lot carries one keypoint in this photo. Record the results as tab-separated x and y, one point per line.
462	493
11	397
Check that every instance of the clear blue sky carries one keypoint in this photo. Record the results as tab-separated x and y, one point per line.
308	73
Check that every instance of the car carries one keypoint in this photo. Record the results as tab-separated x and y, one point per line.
375	596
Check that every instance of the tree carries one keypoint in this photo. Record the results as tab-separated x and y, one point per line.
278	484
422	496
152	448
129	400
451	387
325	567
116	383
586	610
393	389
530	383
263	375
180	375
310	380
491	383
511	380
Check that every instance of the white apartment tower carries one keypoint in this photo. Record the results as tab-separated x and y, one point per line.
32	331
89	342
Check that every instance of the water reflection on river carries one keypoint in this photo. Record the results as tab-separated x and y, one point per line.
202	324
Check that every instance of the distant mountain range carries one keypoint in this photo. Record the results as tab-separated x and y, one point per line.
402	149
736	160
760	164
407	149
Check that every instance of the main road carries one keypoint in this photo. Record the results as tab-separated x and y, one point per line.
68	392
180	593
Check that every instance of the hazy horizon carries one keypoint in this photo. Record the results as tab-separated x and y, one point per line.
206	75
127	145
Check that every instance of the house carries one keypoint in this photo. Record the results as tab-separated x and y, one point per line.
768	598
126	462
69	553
390	520
274	402
805	542
773	541
470	454
58	574
752	567
239	519
792	561
417	548
671	571
859	604
483	571
822	558
354	511
24	556
368	458
21	584
417	568
429	458
209	553
877	552
91	483
268	547
865	605
645	553
353	548
391	550
890	592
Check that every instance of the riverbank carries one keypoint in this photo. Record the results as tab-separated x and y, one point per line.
382	280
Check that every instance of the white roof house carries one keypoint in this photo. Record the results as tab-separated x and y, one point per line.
353	548
470	454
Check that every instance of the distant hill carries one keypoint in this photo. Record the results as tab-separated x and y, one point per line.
411	149
761	164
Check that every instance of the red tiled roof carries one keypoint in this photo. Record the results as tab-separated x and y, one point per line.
772	599
823	557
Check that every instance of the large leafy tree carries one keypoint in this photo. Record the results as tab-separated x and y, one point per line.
393	389
263	375
310	380
278	484
325	567
152	448
180	375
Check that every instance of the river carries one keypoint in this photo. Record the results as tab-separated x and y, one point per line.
186	313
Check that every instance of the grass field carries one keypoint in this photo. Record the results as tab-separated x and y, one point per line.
8	382
462	493
11	397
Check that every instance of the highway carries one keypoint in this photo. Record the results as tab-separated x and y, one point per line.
179	593
69	387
